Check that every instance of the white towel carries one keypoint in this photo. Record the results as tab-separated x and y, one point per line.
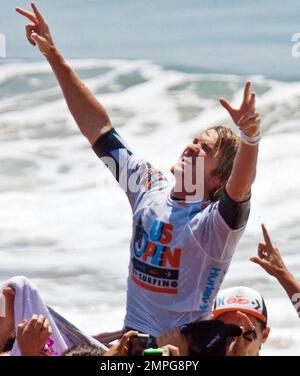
28	302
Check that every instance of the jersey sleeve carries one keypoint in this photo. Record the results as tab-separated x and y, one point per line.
135	175
219	228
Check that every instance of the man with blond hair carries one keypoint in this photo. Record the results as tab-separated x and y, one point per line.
184	235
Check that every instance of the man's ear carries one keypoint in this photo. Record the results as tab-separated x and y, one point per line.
266	333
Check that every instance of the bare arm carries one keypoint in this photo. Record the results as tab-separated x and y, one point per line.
244	167
89	114
269	258
290	285
243	173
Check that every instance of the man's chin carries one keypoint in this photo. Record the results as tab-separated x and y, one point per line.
177	169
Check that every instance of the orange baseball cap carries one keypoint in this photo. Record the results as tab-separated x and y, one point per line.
243	299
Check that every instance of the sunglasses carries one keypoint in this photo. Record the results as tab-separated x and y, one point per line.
251	334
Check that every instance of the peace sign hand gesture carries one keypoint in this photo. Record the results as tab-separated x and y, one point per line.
269	257
37	31
245	117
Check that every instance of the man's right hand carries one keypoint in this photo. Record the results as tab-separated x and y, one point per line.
37	31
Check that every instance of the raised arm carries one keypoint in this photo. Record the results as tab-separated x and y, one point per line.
243	173
269	258
88	113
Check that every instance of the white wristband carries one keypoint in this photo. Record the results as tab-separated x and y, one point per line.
248	140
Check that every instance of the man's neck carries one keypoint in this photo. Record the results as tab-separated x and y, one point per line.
183	196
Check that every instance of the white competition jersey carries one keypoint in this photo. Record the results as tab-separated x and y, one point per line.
180	251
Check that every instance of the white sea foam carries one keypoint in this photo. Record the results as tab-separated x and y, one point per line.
66	224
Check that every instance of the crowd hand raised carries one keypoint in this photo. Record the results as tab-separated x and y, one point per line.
121	348
9	295
245	117
269	257
33	335
37	31
7	323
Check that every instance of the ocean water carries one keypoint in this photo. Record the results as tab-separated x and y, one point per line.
159	68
